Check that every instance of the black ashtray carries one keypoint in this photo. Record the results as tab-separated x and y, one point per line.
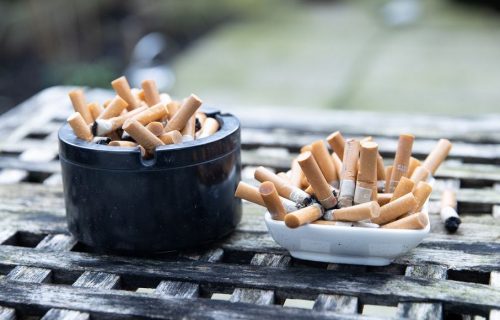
182	197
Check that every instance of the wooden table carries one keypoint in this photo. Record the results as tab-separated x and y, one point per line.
46	273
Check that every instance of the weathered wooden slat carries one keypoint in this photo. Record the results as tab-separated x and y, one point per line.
65	314
57	242
7	313
337	303
495	283
102	280
178	289
14	163
30	274
373	287
11	176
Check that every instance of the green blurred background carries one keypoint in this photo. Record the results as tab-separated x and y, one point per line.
438	56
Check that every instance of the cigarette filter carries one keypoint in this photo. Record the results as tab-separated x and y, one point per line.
142	135
151	94
414	163
437	155
363	211
284	189
380	173
349	172
95	110
404	186
325	162
188	108
201	116
366	139
384	198
172	108
78	100
421	193
366	186
338	164
303	216
305	148
284	176
401	160
337	143
114	108
325	222
106	126
209	127
297	175
155	127
420	173
121	143
317	180
388	173
252	194
153	113
272	200
395	209
80	127
138	94
122	88
413	221
171	137
448	212
190	128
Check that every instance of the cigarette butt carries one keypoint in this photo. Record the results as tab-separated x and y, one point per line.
325	162
350	160
122	88
366	139
297	175
139	94
172	108
420	173
284	176
106	103
306	148
106	126
122	143
153	113
315	177
77	98
284	188
396	208
401	160
404	186
388	173
338	164
359	212
421	193
101	140
310	190
188	108
95	110
366	186
414	163
304	216
325	222
80	127
171	137
252	194
142	135
337	143
114	136
156	128
201	116
380	168
209	127
413	221
384	198
272	200
114	108
437	155
151	94
448	212
190	128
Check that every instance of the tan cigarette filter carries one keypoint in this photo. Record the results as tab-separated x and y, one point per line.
142	135
309	190
171	137
405	186
380	168
272	200
305	148
414	163
396	208
449	199
201	116
188	108
366	139
209	127
151	94
366	186
80	127
121	143
156	128
421	193
325	162
77	98
122	88
350	160
297	175
401	160
105	126
95	110
437	155
337	143
413	221
363	211
384	198
304	216
420	173
114	108
325	222
172	108
252	194
284	176
315	177
284	188
154	113
388	173
190	127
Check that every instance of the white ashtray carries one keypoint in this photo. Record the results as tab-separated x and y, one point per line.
345	244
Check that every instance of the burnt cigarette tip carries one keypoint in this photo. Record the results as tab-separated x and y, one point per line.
451	224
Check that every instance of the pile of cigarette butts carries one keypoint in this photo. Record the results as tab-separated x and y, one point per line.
139	117
358	190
